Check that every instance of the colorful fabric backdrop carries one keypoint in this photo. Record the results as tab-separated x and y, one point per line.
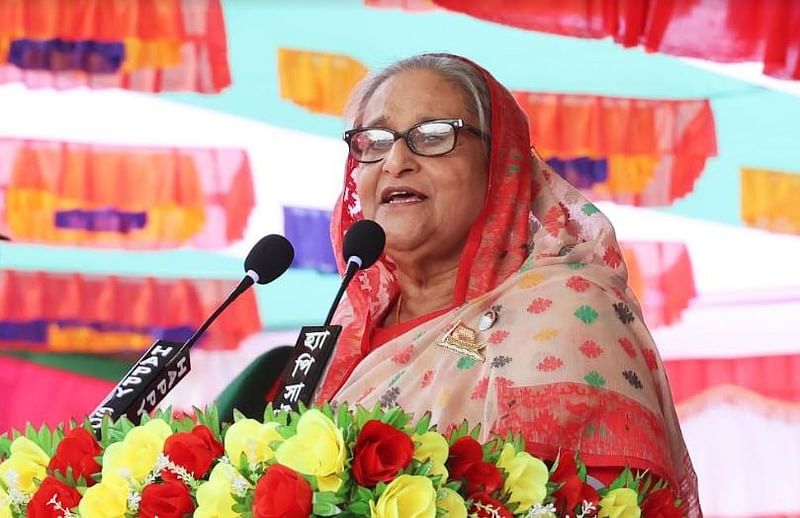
45	311
148	45
77	194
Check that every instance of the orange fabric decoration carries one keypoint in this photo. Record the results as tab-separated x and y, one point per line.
318	81
771	200
181	196
172	45
656	148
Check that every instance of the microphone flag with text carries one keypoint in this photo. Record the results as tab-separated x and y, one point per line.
166	363
363	245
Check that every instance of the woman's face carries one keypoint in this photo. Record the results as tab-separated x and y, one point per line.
426	205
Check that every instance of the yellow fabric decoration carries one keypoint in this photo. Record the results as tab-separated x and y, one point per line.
318	81
771	200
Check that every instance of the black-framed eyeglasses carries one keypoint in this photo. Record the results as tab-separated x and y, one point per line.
429	138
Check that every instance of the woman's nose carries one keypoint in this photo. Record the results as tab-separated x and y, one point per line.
399	159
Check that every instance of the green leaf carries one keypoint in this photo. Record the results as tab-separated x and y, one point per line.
360	508
424	424
5	446
238	416
326	509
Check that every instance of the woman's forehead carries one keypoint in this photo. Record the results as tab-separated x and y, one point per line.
414	96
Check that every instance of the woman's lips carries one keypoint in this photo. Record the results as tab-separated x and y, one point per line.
401	195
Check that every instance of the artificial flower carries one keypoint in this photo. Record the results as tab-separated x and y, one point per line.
252	438
77	452
317	449
451	503
620	503
52	498
27	462
380	453
214	497
482	505
135	457
526	478
660	504
572	491
282	493
465	452
168	500
432	446
106	499
5	504
195	451
407	496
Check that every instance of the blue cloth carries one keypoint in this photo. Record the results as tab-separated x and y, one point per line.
581	172
93	57
309	232
103	220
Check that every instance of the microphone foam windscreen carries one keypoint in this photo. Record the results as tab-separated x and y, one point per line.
269	258
365	239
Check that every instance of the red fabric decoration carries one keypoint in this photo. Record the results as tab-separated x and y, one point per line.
774	377
660	274
672	138
113	314
717	30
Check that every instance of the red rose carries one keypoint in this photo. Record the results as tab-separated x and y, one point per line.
41	506
380	453
282	493
573	491
195	451
484	506
77	450
168	500
463	454
660	504
483	477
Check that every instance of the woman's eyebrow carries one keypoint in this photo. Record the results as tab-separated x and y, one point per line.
381	120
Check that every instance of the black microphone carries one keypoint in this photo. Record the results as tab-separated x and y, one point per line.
266	261
363	245
165	363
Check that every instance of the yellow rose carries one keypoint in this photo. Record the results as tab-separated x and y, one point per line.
620	503
106	499
5	505
433	446
252	438
408	496
526	479
136	455
26	463
214	498
317	449
452	504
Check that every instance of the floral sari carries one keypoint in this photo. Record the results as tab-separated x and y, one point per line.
568	363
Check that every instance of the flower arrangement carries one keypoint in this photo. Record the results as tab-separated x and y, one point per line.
315	462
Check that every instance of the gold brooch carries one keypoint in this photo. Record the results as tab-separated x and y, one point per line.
462	340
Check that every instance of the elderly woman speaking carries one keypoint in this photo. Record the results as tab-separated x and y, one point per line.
502	295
